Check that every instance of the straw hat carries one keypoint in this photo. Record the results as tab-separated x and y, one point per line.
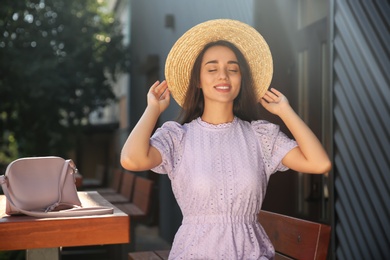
182	56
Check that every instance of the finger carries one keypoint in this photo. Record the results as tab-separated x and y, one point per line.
269	97
263	101
276	92
165	94
161	87
153	87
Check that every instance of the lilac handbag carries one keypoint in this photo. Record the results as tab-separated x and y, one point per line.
44	187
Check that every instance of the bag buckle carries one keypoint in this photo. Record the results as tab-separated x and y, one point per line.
3	180
73	166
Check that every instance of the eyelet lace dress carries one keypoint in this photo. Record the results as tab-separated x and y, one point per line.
219	176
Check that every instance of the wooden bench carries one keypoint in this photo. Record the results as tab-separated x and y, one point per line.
295	238
292	238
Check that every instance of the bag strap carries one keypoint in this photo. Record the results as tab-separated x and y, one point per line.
68	163
73	212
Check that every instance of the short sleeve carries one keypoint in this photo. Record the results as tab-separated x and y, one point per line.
168	140
274	145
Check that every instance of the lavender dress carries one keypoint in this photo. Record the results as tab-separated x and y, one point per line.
219	175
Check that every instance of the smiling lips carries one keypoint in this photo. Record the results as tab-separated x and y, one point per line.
222	87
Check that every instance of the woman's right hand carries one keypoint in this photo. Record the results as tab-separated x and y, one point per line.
159	96
137	153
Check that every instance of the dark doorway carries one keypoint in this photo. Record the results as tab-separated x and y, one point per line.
296	31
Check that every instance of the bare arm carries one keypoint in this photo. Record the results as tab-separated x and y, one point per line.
137	153
309	156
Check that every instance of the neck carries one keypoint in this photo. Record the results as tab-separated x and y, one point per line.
218	114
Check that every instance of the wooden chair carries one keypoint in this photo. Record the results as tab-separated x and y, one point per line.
126	190
97	180
292	238
139	208
115	183
141	201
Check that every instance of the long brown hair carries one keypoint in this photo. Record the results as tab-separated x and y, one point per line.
245	105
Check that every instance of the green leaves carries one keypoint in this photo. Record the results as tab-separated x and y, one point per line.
56	59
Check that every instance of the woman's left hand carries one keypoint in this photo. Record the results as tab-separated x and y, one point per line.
309	156
274	101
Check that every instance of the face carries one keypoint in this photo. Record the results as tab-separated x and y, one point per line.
220	75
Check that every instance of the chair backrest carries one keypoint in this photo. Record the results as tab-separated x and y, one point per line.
116	179
296	238
127	184
99	172
143	193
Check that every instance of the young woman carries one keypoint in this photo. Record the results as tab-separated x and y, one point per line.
220	157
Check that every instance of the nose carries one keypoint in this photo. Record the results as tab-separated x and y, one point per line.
223	74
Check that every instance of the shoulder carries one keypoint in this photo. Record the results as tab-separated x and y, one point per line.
259	127
263	127
171	130
172	125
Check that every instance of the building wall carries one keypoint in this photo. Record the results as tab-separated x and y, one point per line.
360	35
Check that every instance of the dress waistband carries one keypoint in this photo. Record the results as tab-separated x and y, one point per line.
219	219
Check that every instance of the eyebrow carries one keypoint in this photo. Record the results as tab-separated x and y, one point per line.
215	61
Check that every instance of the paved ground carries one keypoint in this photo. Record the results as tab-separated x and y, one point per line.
147	239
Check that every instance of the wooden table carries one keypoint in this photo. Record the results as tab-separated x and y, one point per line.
24	232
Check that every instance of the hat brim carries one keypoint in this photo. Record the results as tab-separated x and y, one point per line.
181	58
